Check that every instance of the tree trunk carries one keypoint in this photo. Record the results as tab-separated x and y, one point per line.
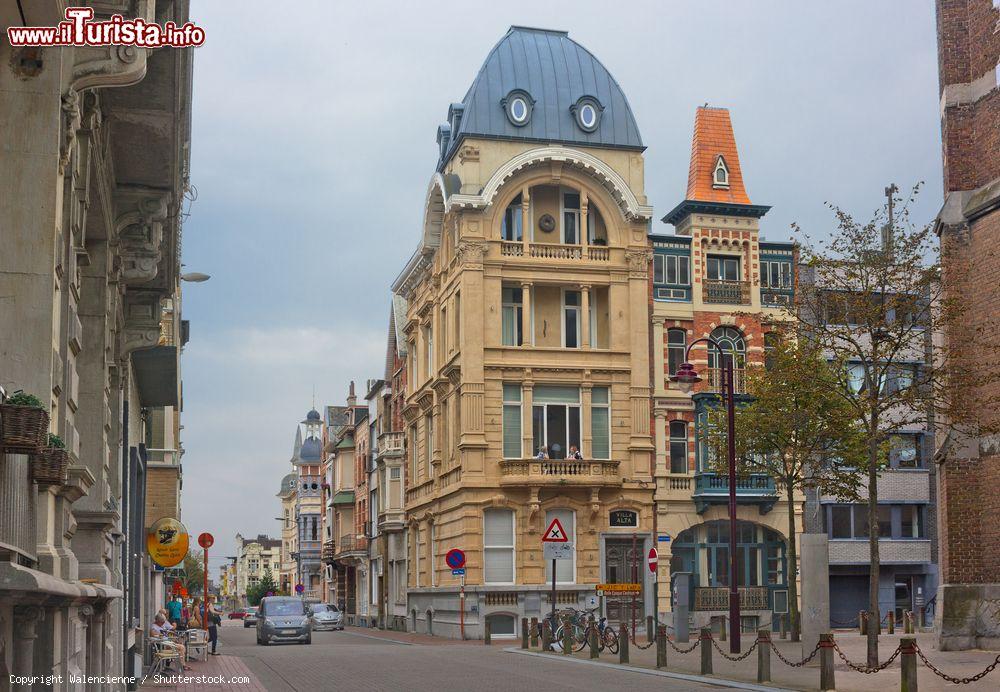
793	564
873	607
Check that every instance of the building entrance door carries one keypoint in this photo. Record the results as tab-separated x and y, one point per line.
623	565
904	597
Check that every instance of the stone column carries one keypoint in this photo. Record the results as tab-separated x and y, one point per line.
660	440
527	338
814	564
96	664
527	431
584	213
585	316
586	436
26	619
659	371
525	219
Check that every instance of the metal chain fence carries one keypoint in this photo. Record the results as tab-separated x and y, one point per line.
680	650
790	663
950	678
865	669
733	658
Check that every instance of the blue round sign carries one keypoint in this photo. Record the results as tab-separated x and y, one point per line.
455	558
299	588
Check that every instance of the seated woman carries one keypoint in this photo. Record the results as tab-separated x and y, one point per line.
161	631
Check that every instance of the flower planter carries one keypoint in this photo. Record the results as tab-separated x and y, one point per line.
49	466
23	429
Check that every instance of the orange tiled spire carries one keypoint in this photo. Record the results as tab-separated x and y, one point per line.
713	137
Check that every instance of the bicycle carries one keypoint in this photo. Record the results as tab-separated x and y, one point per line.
607	638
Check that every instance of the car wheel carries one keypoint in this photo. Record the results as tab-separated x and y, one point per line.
309	640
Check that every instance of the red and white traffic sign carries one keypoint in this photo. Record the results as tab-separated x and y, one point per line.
653	559
555	533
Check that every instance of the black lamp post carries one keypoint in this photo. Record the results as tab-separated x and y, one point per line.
686	378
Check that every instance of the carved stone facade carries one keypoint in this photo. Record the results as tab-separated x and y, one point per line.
89	267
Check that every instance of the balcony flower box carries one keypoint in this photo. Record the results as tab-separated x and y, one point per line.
49	466
23	424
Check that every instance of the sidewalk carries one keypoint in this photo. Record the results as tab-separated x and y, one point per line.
217	674
411	637
955	663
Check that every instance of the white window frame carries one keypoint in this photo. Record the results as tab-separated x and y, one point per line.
518	309
722	259
782	266
720	165
520	409
513	545
579	317
597	406
563	191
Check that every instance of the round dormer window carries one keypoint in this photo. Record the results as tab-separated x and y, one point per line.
587	112
517	105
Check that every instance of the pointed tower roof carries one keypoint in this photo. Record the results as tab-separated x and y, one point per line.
713	137
715	179
297	447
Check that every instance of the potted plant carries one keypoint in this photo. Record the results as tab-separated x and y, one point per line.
25	422
49	466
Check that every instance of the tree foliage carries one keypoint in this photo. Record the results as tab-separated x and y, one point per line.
194	573
262	588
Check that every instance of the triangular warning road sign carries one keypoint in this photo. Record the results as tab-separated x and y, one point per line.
555	533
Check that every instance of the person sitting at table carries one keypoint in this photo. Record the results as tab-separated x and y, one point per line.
163	635
542	453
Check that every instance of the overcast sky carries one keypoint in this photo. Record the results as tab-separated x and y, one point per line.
314	143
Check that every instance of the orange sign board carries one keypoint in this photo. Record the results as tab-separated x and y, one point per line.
620	588
167	542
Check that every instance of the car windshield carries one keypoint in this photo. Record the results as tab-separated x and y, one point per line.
284	608
319	608
251	611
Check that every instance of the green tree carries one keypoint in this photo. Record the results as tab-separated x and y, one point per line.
262	588
872	297
797	429
194	572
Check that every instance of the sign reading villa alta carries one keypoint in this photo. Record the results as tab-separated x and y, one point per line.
624	518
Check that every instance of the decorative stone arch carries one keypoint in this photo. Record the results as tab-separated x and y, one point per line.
435	207
628	204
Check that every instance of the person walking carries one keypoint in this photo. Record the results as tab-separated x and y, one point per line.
214	618
194	619
174	611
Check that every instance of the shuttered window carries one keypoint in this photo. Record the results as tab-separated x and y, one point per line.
512	421
498	546
600	423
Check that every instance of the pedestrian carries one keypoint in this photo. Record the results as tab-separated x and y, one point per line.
185	614
174	611
214	618
194	620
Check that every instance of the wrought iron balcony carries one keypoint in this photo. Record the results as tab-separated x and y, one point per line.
726	292
717	598
536	472
755	488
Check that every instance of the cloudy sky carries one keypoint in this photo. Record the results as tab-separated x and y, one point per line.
314	143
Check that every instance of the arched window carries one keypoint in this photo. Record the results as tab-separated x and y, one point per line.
498	546
510	229
720	177
678	446
733	346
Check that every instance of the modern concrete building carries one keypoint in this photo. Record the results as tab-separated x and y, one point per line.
94	166
714	277
527	333
969	227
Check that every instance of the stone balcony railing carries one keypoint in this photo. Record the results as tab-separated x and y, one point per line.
555	251
536	472
754	488
726	292
390	444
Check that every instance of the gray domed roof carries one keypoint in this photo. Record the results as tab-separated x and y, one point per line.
311	449
313	415
556	72
288	484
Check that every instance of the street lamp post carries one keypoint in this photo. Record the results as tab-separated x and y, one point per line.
686	377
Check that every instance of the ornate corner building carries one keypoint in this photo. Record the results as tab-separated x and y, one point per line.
94	166
527	342
715	277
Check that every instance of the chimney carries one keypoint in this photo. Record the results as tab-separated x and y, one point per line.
352	399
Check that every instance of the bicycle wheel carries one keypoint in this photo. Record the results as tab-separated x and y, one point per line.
580	636
610	640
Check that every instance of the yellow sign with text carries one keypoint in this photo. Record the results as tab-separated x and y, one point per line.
620	588
167	542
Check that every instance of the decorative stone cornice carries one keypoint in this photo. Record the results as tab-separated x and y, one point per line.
109	66
638	262
472	252
142	321
139	233
69	124
26	619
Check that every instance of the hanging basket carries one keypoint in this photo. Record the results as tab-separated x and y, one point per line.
23	429
49	466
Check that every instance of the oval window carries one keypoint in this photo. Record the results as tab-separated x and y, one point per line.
517	106
519	110
588	115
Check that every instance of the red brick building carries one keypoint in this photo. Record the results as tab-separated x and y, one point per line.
969	227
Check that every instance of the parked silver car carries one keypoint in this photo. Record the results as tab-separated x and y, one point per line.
326	617
283	619
250	619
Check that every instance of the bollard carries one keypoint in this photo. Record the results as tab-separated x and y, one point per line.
826	680
908	664
623	644
592	634
783	619
920	618
706	650
533	631
722	630
763	655
892	622
567	638
487	633
863	622
650	629
661	646
546	637
524	633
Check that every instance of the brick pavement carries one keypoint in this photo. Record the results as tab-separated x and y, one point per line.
956	663
217	674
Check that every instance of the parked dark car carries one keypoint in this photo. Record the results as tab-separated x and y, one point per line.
283	619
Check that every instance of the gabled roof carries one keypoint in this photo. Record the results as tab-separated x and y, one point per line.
556	72
713	137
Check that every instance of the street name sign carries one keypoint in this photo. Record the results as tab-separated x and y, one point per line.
555	533
558	551
620	588
458	572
